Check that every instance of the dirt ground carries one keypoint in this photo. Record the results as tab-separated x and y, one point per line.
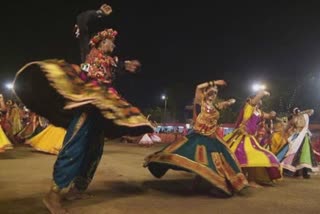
123	186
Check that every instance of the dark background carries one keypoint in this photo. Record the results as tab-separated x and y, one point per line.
181	44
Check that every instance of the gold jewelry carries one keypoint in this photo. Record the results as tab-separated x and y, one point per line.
55	188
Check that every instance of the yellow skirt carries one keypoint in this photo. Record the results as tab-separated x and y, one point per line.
278	140
49	140
249	153
4	141
63	92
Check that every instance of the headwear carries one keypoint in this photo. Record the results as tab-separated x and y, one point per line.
296	110
102	35
9	102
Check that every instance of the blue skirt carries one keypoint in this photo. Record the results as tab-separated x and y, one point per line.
207	157
81	152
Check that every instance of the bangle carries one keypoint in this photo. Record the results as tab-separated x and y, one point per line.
55	188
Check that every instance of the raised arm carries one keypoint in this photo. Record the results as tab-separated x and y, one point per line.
259	97
269	115
225	104
308	112
3	107
82	28
202	86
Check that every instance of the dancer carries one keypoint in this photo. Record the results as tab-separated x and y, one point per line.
316	149
34	125
260	165
4	141
300	158
279	138
49	140
263	134
203	152
42	136
14	118
82	30
12	123
83	102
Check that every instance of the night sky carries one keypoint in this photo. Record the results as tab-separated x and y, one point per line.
180	45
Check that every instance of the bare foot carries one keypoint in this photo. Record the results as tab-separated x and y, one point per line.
243	192
75	194
254	184
53	204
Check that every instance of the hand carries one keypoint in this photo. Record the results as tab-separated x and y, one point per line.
220	82
106	9
263	93
231	101
272	114
132	65
309	112
76	31
266	93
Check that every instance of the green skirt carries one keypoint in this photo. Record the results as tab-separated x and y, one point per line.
207	157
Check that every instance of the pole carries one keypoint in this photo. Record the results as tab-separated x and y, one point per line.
165	109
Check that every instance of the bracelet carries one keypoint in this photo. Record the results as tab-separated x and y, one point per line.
55	188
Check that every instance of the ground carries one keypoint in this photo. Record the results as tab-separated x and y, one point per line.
123	186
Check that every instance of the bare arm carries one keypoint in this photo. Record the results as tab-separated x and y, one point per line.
270	115
308	112
259	96
225	104
3	107
82	28
278	119
202	86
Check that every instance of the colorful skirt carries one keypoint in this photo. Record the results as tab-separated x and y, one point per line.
250	154
29	131
279	145
49	140
278	141
265	142
316	149
303	158
4	141
54	90
204	156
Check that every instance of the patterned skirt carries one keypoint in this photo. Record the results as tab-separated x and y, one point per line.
250	154
303	158
54	90
4	141
207	157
